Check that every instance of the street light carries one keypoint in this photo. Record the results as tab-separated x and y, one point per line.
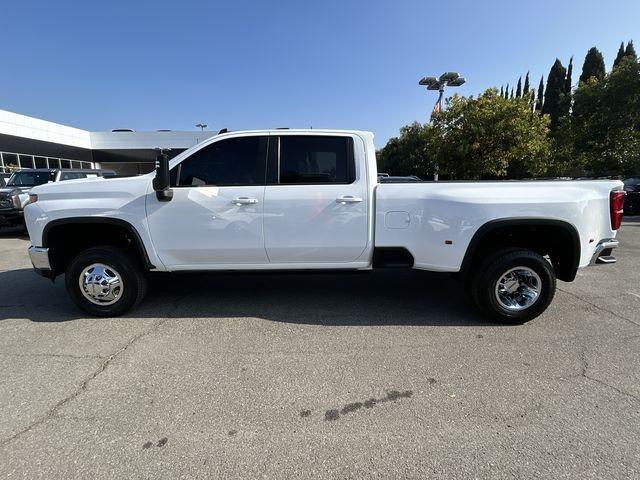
447	79
202	126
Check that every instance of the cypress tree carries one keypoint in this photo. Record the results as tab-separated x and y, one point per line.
526	85
540	94
511	92
619	56
630	51
567	79
502	91
565	98
593	66
553	92
506	92
519	88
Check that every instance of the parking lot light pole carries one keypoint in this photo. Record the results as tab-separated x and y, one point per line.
202	126
449	79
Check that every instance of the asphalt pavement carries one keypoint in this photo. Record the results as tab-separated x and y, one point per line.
391	374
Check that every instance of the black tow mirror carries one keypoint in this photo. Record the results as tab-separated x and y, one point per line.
162	182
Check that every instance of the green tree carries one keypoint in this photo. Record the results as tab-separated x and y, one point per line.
630	51
525	91
490	137
519	88
540	98
606	123
552	94
502	91
565	96
619	56
593	66
412	153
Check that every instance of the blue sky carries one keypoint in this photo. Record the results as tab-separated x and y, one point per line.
251	64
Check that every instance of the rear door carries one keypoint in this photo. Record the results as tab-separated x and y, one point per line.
316	200
215	216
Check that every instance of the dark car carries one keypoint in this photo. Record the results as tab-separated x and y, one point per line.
15	194
4	177
632	200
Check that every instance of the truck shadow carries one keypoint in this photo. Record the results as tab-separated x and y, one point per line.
392	297
14	232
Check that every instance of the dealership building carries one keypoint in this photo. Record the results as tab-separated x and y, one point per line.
28	142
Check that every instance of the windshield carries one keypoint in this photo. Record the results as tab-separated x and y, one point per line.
631	181
30	178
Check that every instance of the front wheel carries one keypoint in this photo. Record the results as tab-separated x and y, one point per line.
105	281
514	286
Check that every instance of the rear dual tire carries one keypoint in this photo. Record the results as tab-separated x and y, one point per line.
513	285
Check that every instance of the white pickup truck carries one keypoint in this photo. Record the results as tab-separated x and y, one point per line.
310	200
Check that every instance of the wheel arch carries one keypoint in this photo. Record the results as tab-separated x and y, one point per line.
564	249
62	225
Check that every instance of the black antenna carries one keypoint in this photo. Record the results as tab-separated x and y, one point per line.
223	130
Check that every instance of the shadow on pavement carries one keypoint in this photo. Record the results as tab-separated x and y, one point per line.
14	232
392	297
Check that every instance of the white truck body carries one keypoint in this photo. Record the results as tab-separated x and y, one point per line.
274	226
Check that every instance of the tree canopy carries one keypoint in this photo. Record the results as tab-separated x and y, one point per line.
485	137
592	129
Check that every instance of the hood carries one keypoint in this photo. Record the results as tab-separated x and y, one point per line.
92	187
5	191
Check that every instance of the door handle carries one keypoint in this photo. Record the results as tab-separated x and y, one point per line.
244	201
348	199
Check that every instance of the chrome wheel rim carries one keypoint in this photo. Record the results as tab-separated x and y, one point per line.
518	289
101	284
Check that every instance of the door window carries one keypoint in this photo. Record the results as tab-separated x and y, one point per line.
316	160
235	161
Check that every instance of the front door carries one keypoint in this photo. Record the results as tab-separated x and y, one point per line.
316	207
215	216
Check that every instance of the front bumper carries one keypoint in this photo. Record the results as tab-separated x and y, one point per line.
40	260
602	254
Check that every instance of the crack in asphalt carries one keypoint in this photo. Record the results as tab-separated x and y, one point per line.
599	307
584	368
175	305
83	386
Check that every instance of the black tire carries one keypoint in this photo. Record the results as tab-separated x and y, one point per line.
133	280
491	270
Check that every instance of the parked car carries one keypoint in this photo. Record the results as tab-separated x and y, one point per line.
15	194
3	179
310	200
632	201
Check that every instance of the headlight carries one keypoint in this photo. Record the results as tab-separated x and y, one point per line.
15	199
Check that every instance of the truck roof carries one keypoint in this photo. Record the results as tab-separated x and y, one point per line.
279	131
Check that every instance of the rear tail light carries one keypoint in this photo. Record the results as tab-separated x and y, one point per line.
616	204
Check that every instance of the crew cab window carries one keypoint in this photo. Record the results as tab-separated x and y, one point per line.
235	161
316	159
